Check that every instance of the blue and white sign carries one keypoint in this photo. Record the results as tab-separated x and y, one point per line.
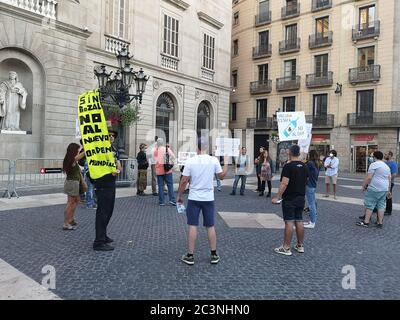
292	126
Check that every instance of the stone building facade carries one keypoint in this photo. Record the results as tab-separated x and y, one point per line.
184	46
336	60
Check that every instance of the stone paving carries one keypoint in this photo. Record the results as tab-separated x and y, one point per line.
149	241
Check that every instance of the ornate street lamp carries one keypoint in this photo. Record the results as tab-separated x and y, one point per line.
117	87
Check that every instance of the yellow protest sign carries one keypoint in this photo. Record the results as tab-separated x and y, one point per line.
94	132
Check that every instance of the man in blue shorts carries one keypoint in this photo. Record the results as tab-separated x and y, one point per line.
200	170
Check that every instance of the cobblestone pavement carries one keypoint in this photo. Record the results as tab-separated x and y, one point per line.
149	241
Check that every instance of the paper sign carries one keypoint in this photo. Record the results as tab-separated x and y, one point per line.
95	139
291	126
304	144
184	156
227	147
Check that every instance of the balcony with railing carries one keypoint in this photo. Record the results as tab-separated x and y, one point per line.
207	74
320	40
264	86
390	119
321	121
318	5
169	62
289	46
288	83
262	51
263	18
288	12
266	123
366	31
46	8
115	44
319	80
370	73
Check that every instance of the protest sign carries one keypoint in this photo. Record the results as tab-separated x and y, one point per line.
291	126
94	132
304	144
184	156
227	147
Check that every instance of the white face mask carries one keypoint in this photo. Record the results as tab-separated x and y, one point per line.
331	155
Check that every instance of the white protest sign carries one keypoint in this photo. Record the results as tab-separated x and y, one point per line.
227	147
304	144
291	126
184	156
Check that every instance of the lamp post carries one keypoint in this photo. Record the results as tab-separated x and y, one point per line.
116	87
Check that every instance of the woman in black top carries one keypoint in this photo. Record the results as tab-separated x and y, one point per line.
143	165
258	169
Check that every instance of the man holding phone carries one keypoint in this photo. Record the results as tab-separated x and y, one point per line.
291	193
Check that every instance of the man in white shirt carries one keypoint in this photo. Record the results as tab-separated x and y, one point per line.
242	168
200	170
331	174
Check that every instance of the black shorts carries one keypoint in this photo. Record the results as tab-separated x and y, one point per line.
293	209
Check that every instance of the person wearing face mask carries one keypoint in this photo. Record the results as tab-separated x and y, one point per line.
332	166
143	165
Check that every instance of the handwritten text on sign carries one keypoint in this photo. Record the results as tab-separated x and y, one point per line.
291	126
94	132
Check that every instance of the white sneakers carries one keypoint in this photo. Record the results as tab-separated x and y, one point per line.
309	225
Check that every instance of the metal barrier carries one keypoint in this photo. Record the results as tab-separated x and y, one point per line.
128	174
32	174
5	177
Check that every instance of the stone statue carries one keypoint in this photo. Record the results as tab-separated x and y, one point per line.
12	98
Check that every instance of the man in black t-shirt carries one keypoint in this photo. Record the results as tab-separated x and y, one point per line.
292	191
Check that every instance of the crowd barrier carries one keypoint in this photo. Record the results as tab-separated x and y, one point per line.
40	173
5	177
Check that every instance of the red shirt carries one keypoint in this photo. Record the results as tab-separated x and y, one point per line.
159	157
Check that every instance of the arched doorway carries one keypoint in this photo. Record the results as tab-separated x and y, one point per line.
203	119
165	111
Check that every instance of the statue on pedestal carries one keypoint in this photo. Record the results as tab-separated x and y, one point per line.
12	98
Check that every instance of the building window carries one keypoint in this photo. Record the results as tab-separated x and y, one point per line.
263	39
291	33
235	47
234	79
321	65
322	27
290	69
320	105
263	8
165	115
208	52
365	103
262	109
121	18
171	32
236	18
263	72
367	17
289	104
366	57
203	119
117	14
233	111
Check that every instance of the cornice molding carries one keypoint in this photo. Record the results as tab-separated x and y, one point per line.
179	3
210	20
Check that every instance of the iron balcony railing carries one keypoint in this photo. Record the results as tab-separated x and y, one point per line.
319	40
288	83
319	80
365	74
262	51
265	123
289	46
263	18
264	86
321	121
365	31
318	5
290	11
374	119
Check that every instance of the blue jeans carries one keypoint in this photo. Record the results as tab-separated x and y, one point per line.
242	185
90	199
170	185
219	184
312	205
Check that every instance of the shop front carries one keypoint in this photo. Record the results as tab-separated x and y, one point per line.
321	143
362	147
